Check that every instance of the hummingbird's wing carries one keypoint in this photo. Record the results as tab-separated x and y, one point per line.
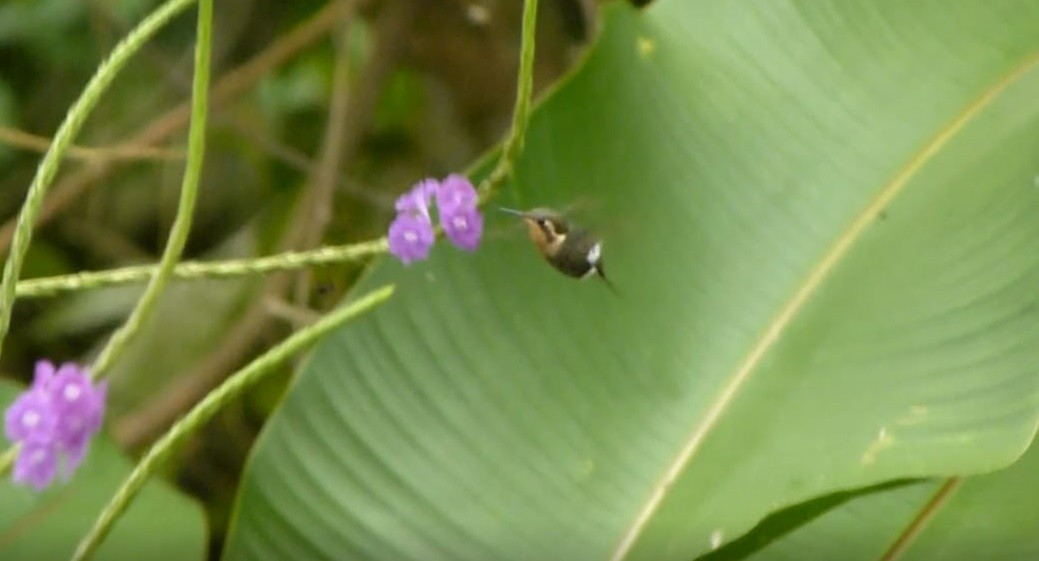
591	248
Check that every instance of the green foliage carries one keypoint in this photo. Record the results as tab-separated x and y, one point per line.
44	259
991	516
821	220
399	103
301	86
43	21
162	526
820	217
784	521
205	409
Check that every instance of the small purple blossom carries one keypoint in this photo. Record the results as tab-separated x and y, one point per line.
456	194
416	201
55	417
411	233
459	215
31	417
36	464
43	374
80	407
463	227
411	238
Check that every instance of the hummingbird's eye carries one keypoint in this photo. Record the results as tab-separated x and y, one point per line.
548	227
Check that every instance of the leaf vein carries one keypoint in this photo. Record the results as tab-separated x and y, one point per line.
813	281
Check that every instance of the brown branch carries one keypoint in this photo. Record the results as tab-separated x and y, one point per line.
271	146
105	243
229	86
319	201
142	424
392	31
28	141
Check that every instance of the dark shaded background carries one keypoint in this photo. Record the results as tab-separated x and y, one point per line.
322	113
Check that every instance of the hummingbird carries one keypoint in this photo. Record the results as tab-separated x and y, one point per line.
570	249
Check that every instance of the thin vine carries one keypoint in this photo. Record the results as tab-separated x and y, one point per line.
67	132
513	145
231	268
188	195
521	111
210	405
168	268
48	167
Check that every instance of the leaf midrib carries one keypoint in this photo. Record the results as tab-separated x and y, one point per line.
923	518
814	280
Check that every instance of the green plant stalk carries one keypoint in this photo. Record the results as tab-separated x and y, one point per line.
53	286
235	385
67	132
188	195
521	110
48	167
7	458
205	409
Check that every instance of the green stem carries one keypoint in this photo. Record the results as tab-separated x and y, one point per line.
205	409
188	195
521	111
8	457
67	132
52	286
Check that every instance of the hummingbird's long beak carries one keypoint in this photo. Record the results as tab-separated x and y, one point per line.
512	211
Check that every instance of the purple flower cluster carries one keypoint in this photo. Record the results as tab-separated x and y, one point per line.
58	414
411	232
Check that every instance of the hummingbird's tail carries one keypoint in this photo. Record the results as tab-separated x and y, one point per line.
609	283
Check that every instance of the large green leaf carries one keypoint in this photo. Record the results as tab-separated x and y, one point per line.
992	517
783	522
161	525
821	216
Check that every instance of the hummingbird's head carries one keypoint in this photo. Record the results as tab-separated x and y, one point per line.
546	227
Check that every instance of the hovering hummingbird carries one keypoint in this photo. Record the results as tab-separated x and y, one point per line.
571	250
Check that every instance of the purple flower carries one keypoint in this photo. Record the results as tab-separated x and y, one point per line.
411	233
80	407
416	201
58	415
462	221
410	238
31	417
43	374
36	464
463	227
456	194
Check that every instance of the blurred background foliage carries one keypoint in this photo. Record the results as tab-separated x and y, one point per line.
322	112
